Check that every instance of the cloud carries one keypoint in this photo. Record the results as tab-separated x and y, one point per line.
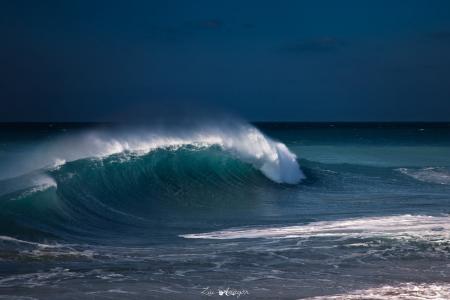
317	45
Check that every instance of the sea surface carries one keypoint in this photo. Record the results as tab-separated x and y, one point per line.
225	210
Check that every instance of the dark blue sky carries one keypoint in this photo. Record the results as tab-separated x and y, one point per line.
264	60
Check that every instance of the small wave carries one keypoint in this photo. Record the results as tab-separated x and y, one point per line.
430	175
404	291
431	228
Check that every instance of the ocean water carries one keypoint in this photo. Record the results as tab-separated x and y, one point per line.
222	211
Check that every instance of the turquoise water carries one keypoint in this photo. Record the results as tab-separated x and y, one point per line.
284	212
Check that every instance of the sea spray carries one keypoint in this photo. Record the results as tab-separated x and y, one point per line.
241	140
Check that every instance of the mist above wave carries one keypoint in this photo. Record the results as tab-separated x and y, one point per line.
241	140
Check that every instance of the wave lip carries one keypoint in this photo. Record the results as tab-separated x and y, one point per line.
247	143
396	227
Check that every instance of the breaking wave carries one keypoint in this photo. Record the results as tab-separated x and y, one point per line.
243	141
101	180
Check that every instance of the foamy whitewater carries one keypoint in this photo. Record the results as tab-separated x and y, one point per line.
189	212
406	291
431	228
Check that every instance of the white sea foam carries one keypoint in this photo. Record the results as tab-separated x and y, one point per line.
37	279
6	238
430	228
247	143
404	291
39	250
430	175
244	141
11	297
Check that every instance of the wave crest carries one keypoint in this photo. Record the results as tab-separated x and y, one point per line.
247	143
243	141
